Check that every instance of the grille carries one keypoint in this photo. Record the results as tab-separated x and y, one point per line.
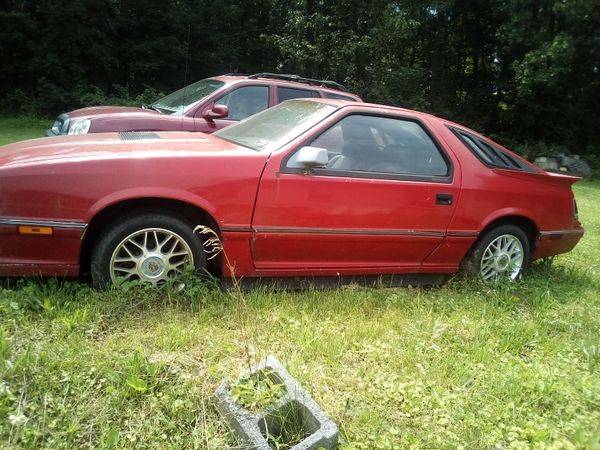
137	135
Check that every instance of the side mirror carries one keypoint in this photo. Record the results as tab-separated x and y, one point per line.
308	157
216	112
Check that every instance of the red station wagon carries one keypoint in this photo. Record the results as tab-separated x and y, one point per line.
207	105
315	187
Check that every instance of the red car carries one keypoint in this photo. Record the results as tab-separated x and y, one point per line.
207	105
314	187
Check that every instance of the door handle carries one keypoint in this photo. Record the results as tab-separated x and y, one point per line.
443	199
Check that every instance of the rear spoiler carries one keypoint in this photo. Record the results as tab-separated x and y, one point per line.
568	180
541	176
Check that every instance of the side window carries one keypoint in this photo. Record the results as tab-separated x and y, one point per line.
332	140
361	143
245	101
285	93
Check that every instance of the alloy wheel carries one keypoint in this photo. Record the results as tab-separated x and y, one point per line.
503	257
150	255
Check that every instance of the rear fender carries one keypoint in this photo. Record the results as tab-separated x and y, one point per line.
506	212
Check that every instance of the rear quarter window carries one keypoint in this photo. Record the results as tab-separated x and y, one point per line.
285	93
339	96
488	153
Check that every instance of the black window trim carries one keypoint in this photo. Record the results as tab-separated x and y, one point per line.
502	160
317	171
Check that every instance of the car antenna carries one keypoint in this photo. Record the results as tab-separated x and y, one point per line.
187	59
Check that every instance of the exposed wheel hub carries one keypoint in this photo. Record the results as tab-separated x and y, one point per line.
502	262
152	266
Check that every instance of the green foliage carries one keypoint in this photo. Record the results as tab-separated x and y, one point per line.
56	58
551	79
112	439
257	390
365	47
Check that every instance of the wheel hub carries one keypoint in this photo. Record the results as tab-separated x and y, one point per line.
502	262
152	266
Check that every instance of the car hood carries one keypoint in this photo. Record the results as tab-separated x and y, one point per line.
98	111
103	146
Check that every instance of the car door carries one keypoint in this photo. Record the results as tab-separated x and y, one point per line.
384	200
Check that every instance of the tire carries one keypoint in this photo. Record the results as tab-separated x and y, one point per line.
150	247
501	253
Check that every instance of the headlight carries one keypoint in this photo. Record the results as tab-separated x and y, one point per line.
80	127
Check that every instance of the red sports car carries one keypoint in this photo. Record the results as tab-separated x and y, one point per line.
317	187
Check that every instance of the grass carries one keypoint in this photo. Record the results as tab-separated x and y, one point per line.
19	129
460	366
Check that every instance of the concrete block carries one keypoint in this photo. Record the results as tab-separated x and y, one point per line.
294	409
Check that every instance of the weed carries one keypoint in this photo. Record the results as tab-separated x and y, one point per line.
257	390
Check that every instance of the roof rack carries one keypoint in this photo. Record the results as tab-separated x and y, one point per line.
299	79
235	74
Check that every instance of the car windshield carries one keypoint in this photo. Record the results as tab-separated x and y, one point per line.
275	127
182	100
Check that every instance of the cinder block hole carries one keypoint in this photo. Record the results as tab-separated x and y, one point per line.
288	426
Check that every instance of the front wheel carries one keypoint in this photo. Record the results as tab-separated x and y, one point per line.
501	253
148	247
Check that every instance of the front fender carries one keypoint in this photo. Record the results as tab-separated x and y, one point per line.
150	192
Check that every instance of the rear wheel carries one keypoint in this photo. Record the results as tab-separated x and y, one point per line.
502	253
148	247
